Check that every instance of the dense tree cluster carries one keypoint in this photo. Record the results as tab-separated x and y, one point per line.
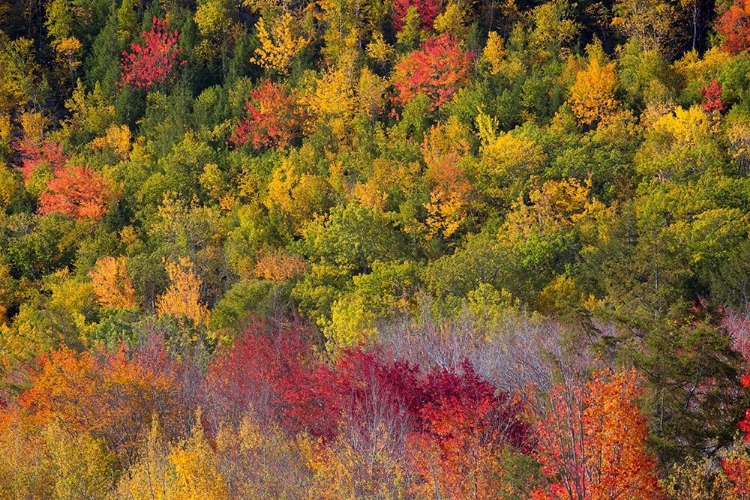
375	249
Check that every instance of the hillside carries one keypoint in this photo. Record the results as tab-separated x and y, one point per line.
374	249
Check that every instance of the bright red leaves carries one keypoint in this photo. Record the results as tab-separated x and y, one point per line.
428	10
712	97
438	69
153	60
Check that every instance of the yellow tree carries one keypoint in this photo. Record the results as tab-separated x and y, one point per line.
260	460
196	476
443	149
183	297
592	96
280	45
494	52
148	477
112	283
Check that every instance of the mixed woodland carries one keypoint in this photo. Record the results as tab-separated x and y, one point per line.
374	249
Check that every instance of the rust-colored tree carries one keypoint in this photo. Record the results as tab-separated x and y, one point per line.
734	27
153	60
273	118
592	442
78	192
438	69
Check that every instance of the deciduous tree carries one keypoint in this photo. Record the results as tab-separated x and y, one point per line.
592	442
78	192
428	10
734	27
153	60
183	297
437	69
274	118
112	283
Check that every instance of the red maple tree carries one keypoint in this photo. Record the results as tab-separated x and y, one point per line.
34	155
465	422
153	60
273	118
428	10
438	69
712	97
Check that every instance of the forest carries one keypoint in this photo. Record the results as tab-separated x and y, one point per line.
375	249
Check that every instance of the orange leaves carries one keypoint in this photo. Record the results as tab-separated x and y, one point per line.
457	456
438	69
278	266
78	192
592	96
617	434
737	469
465	425
110	394
734	27
183	298
592	439
112	283
273	118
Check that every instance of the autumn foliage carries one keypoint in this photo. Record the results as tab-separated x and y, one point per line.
273	120
78	192
112	283
375	249
437	69
153	60
712	97
182	300
428	10
109	394
34	155
593	441
734	26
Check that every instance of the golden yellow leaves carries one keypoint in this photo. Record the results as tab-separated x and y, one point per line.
117	139
68	50
185	471
280	46
194	463
112	284
556	205
278	266
443	149
592	96
183	298
494	52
